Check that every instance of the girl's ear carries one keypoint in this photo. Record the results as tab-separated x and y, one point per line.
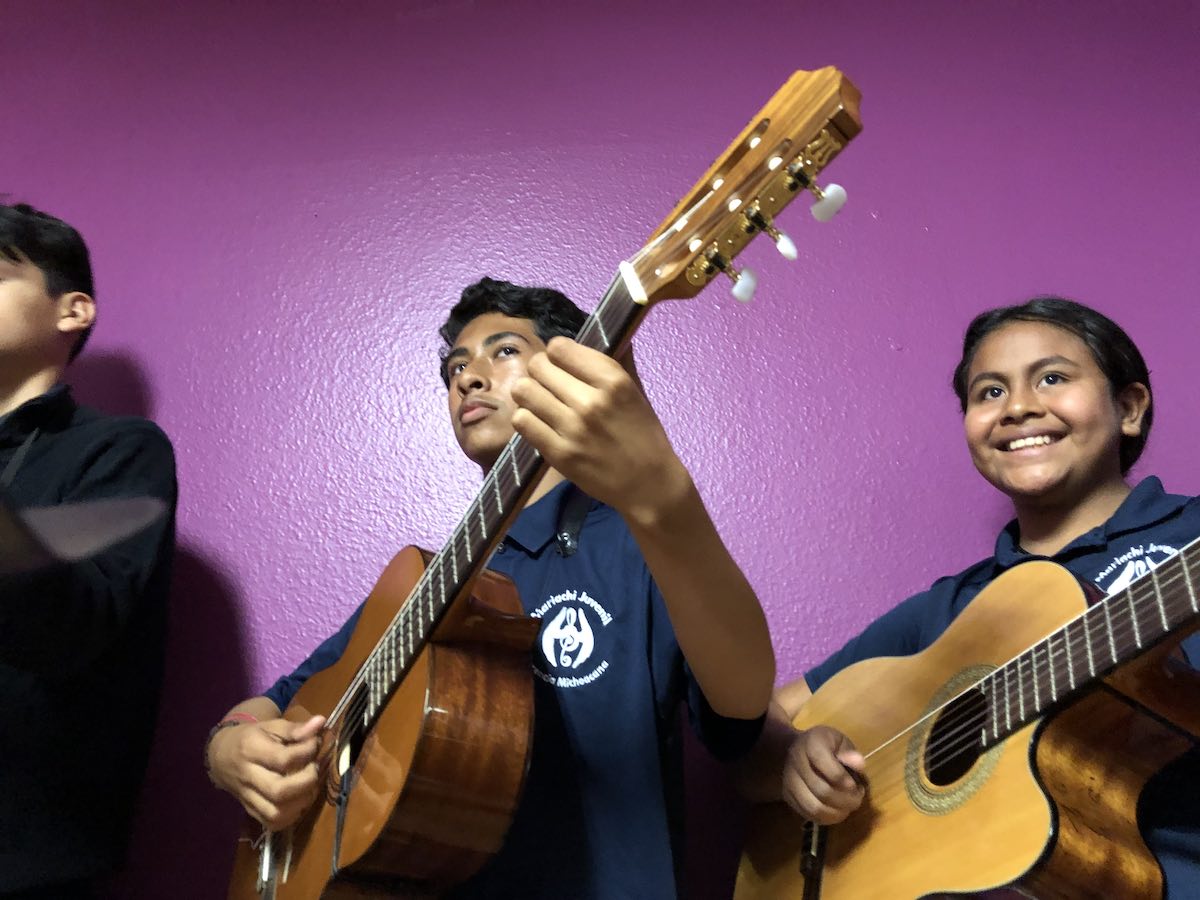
1133	401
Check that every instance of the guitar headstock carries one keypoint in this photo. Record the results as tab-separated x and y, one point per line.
777	156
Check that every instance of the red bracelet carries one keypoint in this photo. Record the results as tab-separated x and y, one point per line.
238	718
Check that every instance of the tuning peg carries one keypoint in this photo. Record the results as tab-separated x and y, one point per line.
784	244
829	202
745	283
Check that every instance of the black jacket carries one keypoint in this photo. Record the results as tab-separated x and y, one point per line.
81	646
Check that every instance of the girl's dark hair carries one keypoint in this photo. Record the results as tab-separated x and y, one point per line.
54	247
1115	353
550	311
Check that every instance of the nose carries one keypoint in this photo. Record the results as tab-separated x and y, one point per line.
1022	403
472	377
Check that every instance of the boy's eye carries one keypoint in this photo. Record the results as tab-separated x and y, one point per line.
506	350
1052	378
991	392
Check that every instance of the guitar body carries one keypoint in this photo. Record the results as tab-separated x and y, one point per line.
433	785
1051	810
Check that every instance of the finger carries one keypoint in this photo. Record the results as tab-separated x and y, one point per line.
825	764
852	759
282	758
587	365
298	787
530	394
302	731
545	439
800	797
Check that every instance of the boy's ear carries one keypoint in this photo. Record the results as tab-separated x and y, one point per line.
76	312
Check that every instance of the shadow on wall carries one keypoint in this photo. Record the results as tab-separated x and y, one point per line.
184	835
112	382
185	830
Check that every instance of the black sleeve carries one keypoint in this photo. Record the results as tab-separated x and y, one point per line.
62	617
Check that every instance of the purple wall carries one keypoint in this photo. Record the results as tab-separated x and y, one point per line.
283	199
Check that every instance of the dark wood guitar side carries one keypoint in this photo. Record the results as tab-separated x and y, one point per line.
979	780
435	782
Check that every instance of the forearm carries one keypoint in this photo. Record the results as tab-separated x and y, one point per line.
716	616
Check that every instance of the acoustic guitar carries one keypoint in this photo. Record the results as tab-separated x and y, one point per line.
1011	752
430	709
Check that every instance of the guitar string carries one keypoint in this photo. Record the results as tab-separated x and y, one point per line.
955	740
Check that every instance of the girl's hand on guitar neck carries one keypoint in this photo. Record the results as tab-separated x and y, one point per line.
269	767
823	775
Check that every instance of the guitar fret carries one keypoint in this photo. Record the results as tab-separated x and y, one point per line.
995	709
482	520
1020	691
1112	640
1187	579
515	469
1037	703
1133	614
1053	669
454	555
1162	609
1007	703
603	334
499	500
1070	656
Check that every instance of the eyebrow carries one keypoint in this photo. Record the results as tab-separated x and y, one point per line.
459	352
1033	367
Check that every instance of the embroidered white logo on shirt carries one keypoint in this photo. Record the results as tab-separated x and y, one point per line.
569	639
1132	565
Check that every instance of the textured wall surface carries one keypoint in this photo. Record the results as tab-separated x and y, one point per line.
283	199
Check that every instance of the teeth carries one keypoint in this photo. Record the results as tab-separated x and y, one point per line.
1038	441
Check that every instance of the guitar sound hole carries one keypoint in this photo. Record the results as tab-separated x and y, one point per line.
955	739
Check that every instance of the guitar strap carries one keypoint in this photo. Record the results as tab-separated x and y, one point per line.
10	471
571	513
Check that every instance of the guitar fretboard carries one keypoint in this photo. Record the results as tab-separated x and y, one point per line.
1104	636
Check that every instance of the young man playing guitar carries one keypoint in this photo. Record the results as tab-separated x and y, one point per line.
81	643
643	609
1057	407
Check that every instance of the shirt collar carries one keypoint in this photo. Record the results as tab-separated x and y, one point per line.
537	525
40	412
1146	504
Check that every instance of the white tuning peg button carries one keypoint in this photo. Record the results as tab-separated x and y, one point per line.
833	198
744	286
786	246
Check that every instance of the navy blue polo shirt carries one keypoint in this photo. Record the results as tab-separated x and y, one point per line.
601	814
1149	527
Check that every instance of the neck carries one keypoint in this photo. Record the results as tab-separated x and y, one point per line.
1046	528
549	480
17	389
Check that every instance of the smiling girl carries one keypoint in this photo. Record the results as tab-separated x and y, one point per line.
1057	408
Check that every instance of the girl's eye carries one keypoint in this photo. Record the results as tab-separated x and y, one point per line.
1052	378
991	392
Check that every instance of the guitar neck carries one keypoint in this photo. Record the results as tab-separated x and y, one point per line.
502	495
1107	634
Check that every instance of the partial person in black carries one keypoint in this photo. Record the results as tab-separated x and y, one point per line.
81	644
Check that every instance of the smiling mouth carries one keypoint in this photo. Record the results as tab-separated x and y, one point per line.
1026	443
